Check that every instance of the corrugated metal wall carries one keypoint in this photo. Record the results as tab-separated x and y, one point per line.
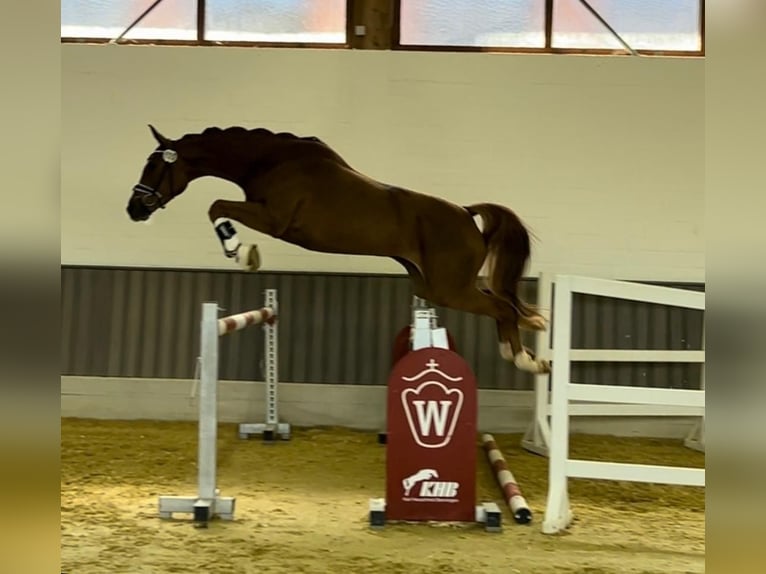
332	329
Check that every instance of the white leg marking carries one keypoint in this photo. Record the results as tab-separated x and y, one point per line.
522	360
526	363
506	352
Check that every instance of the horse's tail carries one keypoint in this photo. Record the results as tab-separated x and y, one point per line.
508	250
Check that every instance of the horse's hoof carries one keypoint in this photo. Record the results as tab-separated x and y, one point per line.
526	361
248	257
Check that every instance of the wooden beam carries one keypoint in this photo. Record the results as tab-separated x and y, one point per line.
371	24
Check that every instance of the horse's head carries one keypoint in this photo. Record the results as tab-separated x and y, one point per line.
164	176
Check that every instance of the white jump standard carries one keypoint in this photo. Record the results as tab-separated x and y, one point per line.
208	504
271	428
538	435
558	514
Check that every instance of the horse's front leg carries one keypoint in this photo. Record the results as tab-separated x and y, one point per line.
253	215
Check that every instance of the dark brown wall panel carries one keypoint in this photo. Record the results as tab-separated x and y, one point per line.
333	328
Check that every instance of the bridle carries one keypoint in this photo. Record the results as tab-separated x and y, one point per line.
150	196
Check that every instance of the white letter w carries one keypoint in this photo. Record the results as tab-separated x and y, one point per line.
435	414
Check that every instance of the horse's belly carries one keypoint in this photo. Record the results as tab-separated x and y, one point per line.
371	229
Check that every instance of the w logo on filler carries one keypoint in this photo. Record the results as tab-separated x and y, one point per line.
432	408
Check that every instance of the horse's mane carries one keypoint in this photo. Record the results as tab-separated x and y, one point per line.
242	132
258	139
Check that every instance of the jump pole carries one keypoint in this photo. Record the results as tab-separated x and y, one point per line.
208	504
505	479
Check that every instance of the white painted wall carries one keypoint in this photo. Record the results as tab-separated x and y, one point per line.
603	157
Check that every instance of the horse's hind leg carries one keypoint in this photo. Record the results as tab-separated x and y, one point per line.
253	215
534	323
448	285
474	300
507	319
511	348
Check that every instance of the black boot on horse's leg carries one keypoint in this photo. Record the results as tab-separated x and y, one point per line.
245	254
221	213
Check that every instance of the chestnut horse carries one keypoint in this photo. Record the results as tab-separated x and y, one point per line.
299	190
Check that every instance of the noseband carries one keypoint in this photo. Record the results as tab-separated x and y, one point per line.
151	197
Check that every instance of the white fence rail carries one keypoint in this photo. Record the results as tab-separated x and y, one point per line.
557	514
537	437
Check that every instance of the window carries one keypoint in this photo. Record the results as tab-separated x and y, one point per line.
674	27
106	19
496	23
644	24
303	21
553	25
224	21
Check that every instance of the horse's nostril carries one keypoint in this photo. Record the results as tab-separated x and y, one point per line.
137	211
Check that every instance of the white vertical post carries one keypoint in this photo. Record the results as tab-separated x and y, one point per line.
207	503
700	444
208	401
557	510
270	358
538	435
418	303
696	437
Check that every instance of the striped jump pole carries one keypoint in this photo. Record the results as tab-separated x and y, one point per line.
511	492
242	320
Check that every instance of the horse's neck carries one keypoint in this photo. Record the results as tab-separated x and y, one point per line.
210	159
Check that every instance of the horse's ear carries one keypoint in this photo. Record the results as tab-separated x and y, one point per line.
162	140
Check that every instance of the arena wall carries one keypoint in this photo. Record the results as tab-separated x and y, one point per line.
602	156
130	339
339	329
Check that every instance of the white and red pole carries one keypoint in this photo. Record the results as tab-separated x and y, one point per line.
511	491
